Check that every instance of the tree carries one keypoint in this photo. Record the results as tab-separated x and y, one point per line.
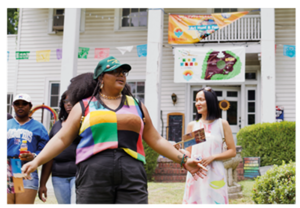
12	20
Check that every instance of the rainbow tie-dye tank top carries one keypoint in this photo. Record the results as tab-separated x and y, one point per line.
103	128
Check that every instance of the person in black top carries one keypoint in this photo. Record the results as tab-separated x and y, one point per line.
63	166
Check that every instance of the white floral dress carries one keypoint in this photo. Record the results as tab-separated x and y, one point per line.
212	189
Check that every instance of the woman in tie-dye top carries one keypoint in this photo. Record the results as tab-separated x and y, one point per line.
211	189
110	156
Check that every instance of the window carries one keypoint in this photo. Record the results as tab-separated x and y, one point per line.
138	90
56	20
9	103
223	10
250	76
251	106
54	99
131	19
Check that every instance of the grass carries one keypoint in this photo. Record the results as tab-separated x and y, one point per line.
172	193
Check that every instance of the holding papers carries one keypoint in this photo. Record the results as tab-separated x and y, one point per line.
192	138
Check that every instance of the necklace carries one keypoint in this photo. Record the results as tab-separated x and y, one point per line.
109	97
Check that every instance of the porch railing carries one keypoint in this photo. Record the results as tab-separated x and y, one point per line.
246	28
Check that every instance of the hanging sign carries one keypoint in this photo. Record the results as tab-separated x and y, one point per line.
83	52
43	56
59	53
189	29
142	50
101	53
22	55
289	50
205	64
224	19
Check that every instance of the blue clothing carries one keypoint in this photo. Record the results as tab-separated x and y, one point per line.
32	131
33	183
64	189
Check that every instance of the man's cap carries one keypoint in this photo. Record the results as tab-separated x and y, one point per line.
109	64
23	96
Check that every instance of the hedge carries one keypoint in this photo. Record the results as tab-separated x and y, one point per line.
272	142
276	186
151	161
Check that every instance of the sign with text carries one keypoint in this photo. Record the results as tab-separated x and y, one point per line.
209	64
251	167
190	139
175	126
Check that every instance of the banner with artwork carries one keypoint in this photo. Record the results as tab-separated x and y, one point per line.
209	64
224	19
188	29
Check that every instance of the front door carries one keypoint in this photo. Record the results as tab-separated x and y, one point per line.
232	115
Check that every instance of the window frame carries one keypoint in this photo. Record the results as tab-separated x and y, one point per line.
50	21
255	104
9	105
136	93
118	23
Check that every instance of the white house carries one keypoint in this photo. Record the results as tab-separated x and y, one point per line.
269	75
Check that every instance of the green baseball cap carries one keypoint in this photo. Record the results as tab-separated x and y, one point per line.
109	64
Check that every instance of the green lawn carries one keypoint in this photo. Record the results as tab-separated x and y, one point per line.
172	193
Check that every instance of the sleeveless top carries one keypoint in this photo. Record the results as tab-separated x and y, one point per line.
104	128
212	189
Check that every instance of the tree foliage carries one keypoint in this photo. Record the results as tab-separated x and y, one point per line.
12	20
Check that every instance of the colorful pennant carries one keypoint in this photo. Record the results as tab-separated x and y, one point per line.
289	50
43	56
59	53
124	49
22	55
142	50
101	53
7	55
83	52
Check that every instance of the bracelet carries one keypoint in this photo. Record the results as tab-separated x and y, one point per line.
184	160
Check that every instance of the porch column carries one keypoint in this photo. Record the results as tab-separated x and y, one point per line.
69	47
153	67
267	65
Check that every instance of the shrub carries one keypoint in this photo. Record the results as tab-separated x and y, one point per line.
276	186
151	161
272	142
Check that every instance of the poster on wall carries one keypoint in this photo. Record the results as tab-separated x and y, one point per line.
209	64
279	114
189	29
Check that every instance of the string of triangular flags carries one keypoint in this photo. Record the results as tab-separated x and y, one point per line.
83	52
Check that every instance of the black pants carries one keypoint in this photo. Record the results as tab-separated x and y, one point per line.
111	177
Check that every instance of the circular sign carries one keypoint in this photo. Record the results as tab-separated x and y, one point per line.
224	105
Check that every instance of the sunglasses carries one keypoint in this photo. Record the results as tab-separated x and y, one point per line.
117	72
66	101
20	103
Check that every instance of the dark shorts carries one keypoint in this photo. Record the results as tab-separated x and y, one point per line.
111	177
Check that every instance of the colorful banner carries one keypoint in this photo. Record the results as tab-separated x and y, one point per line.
59	53
251	167
142	50
289	50
124	49
43	56
101	53
188	29
209	64
83	52
224	19
22	55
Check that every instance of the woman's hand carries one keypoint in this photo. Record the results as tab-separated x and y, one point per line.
207	160
195	168
29	168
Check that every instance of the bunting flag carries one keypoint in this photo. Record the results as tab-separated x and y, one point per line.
101	53
22	55
224	19
7	55
142	50
43	56
188	29
289	50
59	53
124	49
83	52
